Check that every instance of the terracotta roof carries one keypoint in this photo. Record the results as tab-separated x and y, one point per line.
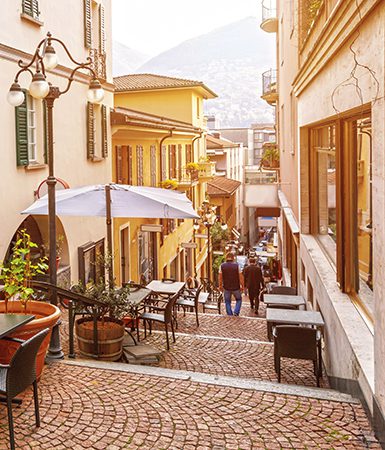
214	142
222	186
148	81
125	116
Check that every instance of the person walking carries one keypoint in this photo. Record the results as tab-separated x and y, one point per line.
231	282
254	283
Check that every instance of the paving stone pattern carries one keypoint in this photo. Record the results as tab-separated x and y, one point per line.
83	408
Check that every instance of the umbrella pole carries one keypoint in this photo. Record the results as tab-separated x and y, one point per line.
109	234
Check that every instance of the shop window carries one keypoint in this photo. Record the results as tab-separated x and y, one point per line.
91	262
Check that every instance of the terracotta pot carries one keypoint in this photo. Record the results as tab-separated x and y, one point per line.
110	338
46	317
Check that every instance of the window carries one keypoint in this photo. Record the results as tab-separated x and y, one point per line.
172	161
139	165
189	156
31	8
153	165
341	201
97	131
91	262
123	159
198	108
31	132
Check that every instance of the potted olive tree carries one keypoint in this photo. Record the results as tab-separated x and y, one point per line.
20	298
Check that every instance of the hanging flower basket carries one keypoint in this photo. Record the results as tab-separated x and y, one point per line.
169	184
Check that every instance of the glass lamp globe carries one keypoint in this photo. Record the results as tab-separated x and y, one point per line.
224	226
39	86
95	93
50	59
15	96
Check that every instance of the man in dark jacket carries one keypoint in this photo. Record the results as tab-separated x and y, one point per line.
254	282
231	282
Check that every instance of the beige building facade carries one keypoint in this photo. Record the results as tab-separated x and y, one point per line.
331	131
81	131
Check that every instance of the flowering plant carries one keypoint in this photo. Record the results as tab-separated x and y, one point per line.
169	184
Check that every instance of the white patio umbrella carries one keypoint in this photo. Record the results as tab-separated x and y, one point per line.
117	200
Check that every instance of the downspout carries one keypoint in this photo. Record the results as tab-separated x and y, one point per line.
193	142
160	152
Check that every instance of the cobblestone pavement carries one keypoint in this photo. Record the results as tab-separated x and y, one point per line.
84	408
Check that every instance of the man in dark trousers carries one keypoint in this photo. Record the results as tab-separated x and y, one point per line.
231	282
254	282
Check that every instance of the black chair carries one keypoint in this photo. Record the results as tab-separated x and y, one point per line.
284	290
291	341
20	373
270	325
154	312
168	280
214	301
190	299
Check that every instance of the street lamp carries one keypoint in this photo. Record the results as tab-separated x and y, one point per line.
45	58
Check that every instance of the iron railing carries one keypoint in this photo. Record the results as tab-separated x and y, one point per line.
269	82
98	63
269	9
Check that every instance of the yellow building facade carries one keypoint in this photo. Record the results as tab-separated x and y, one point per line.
158	131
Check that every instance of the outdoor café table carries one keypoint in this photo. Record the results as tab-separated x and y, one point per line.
284	300
166	287
294	317
10	322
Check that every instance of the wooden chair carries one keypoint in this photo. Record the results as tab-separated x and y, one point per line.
20	373
291	341
190	299
283	290
159	309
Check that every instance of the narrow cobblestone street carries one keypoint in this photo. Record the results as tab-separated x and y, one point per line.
178	405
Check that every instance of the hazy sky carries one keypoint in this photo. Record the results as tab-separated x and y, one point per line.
152	26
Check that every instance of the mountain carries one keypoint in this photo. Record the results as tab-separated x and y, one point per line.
229	60
125	60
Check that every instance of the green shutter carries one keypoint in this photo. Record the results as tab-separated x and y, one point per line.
104	132
21	115
31	7
90	131
45	128
87	24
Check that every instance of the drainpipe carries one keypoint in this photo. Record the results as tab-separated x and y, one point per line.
160	152
193	142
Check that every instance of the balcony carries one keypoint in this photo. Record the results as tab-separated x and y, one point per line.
187	179
98	64
269	16
269	87
206	171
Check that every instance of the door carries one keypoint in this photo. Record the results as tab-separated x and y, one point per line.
124	255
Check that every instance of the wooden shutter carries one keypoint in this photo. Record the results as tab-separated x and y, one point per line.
21	116
31	7
188	153
129	164
139	165
90	131
163	156
45	130
104	132
87	24
153	165
102	31
180	161
172	161
118	165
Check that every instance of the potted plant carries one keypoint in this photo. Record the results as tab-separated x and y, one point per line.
169	184
192	167
59	249
20	298
116	313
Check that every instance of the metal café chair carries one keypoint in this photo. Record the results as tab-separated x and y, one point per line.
190	300
291	341
283	290
20	373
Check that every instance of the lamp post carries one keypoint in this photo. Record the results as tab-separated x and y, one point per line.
45	58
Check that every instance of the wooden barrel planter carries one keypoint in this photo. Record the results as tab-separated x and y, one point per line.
110	338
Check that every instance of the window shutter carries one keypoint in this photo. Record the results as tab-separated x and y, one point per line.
87	24
172	161
22	132
164	169
31	7
102	32
153	165
104	132
188	153
90	131
139	165
119	164
179	161
129	162
45	128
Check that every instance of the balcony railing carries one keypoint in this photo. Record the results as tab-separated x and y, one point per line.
269	16
269	86
187	179
206	170
98	63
